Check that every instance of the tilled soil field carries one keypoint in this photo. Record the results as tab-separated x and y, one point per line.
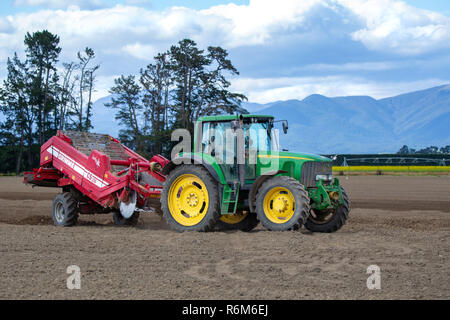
401	224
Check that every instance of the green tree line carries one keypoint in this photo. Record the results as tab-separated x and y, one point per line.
182	84
42	95
428	150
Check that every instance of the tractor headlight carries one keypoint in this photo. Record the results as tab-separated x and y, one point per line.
324	177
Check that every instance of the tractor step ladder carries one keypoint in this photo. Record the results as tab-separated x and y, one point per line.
229	196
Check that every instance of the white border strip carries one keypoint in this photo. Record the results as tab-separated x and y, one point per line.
77	167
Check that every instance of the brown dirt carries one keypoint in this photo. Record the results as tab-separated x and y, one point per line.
401	224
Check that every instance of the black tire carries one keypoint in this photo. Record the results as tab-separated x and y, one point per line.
212	214
249	223
122	221
338	218
301	209
65	210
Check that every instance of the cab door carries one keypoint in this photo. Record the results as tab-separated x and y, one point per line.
216	142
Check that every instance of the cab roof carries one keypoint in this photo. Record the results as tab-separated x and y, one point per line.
230	117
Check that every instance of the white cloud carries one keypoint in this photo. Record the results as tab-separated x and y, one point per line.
124	35
256	23
140	51
394	25
386	25
5	25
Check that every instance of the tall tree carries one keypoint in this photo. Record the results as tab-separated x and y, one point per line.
14	104
201	86
214	96
156	81
126	100
42	50
187	63
81	112
181	85
90	78
66	98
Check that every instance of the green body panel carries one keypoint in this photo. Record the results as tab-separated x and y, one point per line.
287	161
208	159
230	195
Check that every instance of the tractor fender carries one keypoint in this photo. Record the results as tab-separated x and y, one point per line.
191	159
258	182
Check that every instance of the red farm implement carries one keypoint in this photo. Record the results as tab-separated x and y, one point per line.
97	174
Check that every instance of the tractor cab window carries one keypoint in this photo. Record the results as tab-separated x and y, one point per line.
206	142
258	136
214	135
214	138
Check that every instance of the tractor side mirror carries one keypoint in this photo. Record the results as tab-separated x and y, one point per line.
285	126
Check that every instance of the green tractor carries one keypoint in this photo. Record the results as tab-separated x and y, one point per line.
237	177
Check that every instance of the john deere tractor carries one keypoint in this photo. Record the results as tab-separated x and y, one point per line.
236	177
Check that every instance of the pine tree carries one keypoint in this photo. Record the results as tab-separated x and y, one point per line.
14	104
42	52
156	81
126	100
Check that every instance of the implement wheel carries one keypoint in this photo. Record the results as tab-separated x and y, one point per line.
122	221
65	210
329	221
190	199
243	220
282	203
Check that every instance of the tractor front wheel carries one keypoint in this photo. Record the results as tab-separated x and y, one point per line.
190	199
329	221
282	203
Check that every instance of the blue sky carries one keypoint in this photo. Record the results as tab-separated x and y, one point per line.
284	49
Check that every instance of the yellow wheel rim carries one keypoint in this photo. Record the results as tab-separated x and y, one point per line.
188	200
279	205
234	218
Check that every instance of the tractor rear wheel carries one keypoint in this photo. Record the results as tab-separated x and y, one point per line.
329	221
243	220
190	199
65	210
122	221
282	203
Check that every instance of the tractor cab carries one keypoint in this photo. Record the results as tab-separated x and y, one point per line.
236	141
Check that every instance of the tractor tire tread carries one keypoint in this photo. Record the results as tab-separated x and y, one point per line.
70	207
293	184
209	222
336	222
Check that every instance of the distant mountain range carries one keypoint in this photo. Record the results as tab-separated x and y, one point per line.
354	124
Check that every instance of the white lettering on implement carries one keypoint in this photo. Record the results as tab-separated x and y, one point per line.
77	167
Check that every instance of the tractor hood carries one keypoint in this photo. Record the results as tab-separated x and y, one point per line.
293	156
289	162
